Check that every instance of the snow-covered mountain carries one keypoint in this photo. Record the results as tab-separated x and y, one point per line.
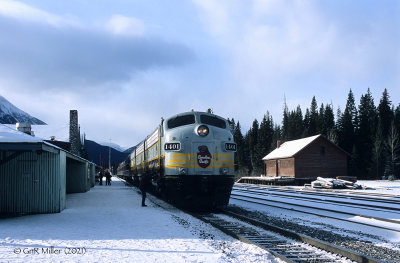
112	145
9	114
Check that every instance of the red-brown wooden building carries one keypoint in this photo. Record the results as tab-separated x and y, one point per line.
307	158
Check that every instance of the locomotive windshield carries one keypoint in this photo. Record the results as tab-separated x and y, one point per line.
181	121
214	121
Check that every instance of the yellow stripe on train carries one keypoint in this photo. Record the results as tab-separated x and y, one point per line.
174	161
189	155
196	166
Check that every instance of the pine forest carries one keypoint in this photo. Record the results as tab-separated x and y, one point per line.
368	132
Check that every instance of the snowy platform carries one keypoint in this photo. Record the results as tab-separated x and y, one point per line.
108	224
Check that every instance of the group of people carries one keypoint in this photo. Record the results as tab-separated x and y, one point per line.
106	174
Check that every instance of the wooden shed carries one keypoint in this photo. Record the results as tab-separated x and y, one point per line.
307	159
35	176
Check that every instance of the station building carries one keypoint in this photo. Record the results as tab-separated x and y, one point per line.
306	159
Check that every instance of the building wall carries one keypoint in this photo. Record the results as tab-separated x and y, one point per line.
281	167
63	179
271	168
286	167
321	158
92	172
78	176
32	182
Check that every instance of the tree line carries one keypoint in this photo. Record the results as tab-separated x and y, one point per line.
369	133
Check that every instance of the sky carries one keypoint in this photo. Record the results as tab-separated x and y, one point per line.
124	64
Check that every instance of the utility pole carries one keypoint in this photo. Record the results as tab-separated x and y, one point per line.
109	156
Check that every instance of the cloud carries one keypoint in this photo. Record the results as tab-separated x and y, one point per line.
122	25
26	13
301	49
50	52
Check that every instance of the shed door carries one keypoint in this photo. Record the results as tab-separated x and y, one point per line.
28	186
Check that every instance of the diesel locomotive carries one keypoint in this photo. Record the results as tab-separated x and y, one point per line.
190	157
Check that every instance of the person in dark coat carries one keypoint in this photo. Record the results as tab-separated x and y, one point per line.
144	185
108	178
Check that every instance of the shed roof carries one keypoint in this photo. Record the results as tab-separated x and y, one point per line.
290	148
60	132
11	139
10	135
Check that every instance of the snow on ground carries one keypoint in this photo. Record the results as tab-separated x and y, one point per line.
383	186
383	237
108	224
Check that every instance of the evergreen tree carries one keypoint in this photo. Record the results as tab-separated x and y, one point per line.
266	134
378	151
329	120
306	123
385	113
348	124
239	140
385	118
285	122
276	137
393	147
366	135
298	123
339	126
295	125
254	153
265	137
312	127
247	153
397	118
321	128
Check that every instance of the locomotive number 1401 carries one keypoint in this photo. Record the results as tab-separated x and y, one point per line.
230	147
173	146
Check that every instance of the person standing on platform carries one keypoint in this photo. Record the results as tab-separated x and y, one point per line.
108	178
144	185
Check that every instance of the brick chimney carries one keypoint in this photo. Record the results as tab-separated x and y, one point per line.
278	144
74	132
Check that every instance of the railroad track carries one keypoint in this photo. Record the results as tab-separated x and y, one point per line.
284	244
384	200
325	207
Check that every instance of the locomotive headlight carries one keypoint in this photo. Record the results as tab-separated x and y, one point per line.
182	171
202	130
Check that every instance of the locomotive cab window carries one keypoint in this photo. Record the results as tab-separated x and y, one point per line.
214	121
180	121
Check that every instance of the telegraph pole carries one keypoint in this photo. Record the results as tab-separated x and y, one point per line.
109	156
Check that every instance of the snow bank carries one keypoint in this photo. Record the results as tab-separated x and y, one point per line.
382	186
108	224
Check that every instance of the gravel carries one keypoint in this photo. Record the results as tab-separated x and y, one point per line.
330	234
